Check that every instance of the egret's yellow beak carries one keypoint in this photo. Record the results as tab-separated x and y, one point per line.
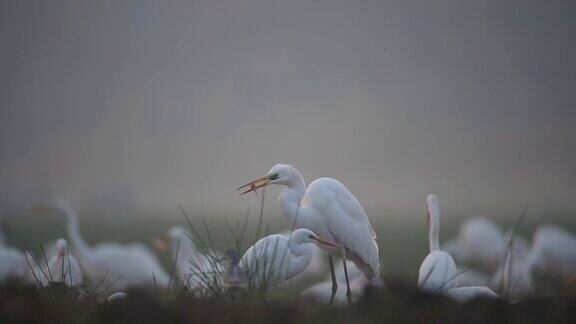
325	241
255	184
160	243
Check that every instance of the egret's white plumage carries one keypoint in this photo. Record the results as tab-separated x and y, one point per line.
322	292
12	261
553	252
118	265
480	243
464	294
276	258
438	270
195	269
317	266
328	209
63	266
470	277
513	279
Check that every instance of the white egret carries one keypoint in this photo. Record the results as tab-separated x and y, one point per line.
464	294
553	252
480	243
63	266
328	209
276	258
195	269
116	266
438	270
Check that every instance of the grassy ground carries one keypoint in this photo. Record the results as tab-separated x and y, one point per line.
398	303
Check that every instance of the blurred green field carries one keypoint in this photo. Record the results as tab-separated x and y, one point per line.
402	241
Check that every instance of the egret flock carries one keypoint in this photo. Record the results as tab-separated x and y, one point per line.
327	223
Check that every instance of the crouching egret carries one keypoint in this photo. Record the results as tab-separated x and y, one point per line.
63	267
277	258
438	270
113	265
328	209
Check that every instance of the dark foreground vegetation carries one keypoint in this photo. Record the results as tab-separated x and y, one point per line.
397	303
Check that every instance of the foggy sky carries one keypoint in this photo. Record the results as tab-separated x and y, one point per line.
148	104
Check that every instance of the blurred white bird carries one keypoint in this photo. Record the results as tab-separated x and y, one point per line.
513	279
438	270
553	252
12	261
328	209
322	292
63	266
116	266
196	269
464	294
480	243
277	258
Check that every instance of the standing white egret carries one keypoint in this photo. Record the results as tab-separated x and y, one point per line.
438	270
63	266
553	252
276	258
328	209
118	266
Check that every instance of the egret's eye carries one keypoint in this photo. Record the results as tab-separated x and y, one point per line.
310	236
274	176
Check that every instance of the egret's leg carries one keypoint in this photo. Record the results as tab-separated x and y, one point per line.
334	284
348	291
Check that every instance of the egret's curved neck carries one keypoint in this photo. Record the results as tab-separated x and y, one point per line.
434	231
78	243
301	257
290	199
183	251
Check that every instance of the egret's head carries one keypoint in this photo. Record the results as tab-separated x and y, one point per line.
431	207
174	237
280	174
303	235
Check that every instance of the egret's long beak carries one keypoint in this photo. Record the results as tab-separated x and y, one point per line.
325	241
255	184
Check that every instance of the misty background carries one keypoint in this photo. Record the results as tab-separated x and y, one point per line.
138	106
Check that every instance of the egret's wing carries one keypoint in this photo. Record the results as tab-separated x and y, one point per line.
346	220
